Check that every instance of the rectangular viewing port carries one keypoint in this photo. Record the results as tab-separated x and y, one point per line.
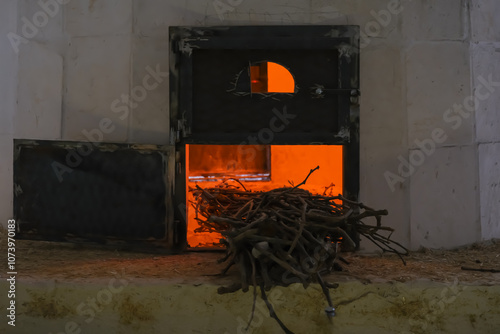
259	168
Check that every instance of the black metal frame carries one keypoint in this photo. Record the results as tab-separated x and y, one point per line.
184	41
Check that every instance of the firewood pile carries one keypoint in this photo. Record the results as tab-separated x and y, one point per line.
286	235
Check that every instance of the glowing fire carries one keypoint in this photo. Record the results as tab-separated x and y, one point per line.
265	168
269	77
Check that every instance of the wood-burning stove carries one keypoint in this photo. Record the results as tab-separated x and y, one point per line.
229	117
222	101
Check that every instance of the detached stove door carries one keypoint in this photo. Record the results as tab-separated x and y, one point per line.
119	194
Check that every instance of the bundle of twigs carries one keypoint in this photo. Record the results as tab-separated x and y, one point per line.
285	235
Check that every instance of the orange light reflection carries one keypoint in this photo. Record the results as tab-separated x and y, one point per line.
288	163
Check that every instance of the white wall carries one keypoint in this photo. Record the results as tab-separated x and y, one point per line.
443	188
485	50
8	86
416	64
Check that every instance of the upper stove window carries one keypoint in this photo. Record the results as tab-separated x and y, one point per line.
270	77
226	82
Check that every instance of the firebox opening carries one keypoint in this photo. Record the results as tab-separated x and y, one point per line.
279	163
269	77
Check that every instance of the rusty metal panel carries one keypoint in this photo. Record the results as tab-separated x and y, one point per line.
108	193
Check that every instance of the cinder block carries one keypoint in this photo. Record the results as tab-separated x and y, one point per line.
438	87
484	20
489	182
377	19
435	20
288	12
333	12
97	17
39	90
486	80
258	12
444	198
40	21
8	16
382	117
149	121
8	67
153	17
378	190
97	79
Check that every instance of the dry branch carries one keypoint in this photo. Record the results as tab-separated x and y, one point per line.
286	235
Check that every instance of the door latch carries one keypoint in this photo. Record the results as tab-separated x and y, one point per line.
319	92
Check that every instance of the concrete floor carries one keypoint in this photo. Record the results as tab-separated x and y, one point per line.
124	305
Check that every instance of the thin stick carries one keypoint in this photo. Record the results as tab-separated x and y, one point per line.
304	182
232	178
254	283
271	310
243	272
301	228
326	292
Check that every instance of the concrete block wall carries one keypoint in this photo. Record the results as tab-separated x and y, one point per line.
428	155
485	58
40	78
444	183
